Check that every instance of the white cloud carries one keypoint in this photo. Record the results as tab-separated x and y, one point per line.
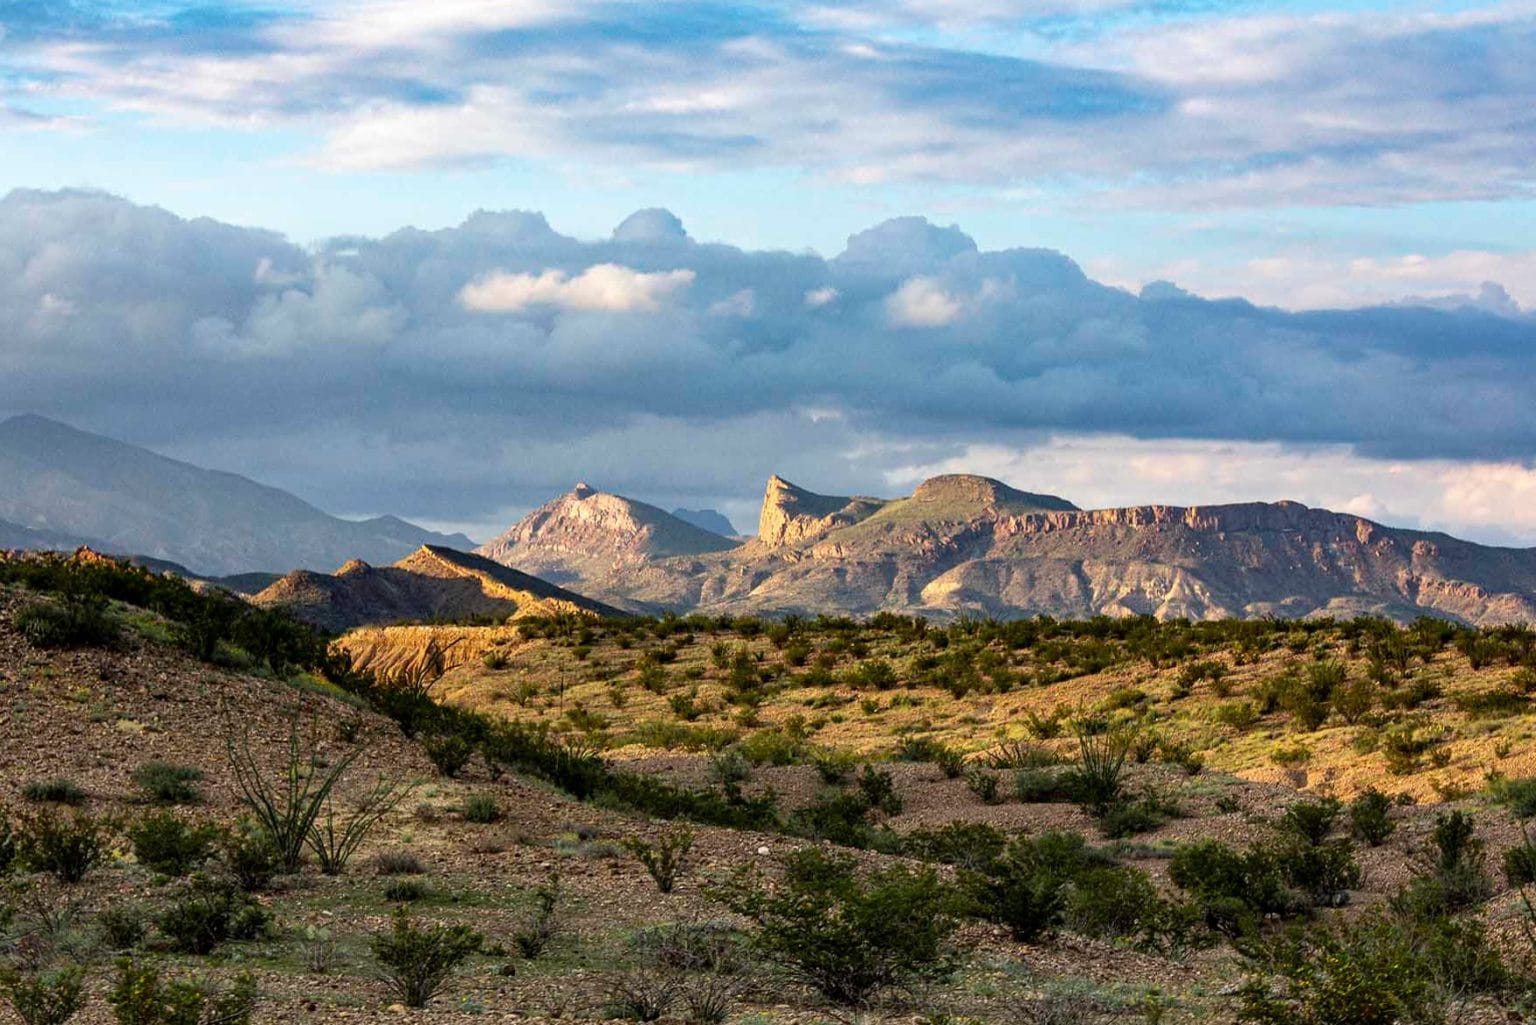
604	286
816	298
922	302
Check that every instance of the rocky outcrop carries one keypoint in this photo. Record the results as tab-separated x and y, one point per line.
792	515
586	532
965	545
430	584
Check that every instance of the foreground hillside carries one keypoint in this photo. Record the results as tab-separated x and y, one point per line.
964	545
1034	897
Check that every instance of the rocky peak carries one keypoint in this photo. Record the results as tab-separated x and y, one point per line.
965	493
792	514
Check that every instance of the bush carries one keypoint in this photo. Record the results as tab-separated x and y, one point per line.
397	863
1311	821
1454	876
1042	786
54	791
1024	888
1325	872
164	783
1365	973
879	790
1111	901
535	935
1370	817
1520	862
417	962
1095	782
122	926
44	998
207	913
665	859
449	752
1518	795
1132	818
984	785
140	997
967	845
1235	889
79	621
482	809
407	890
249	856
846	935
169	845
68	846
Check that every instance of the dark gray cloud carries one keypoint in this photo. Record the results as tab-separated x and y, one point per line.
357	374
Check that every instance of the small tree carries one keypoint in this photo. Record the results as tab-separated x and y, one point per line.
44	998
417	962
286	810
850	936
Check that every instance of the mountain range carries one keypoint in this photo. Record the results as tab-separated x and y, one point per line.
968	545
61	488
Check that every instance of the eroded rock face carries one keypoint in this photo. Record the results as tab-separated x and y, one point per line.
587	531
792	515
963	544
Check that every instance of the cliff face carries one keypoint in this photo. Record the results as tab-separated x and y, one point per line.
587	532
429	584
970	545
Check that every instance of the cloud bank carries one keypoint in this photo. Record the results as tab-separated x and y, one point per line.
454	375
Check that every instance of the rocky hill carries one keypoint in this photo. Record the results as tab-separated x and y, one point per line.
587	534
71	487
431	583
970	545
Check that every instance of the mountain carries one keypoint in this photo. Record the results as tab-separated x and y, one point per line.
121	498
966	545
431	583
585	534
707	519
15	536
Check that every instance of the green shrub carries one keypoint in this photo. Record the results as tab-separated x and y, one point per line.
664	859
1518	795
1234	889
1132	818
79	620
1110	901
397	863
847	935
1455	876
1024	888
967	845
1095	781
1311	821
172	846
249	856
535	934
68	846
878	789
482	809
165	783
207	912
1042	786
417	962
1520	862
139	996
122	926
1325	871
985	785
1370	817
449	752
407	890
54	791
44	998
834	767
1363	973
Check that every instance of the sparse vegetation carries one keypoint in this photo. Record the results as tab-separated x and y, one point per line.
418	961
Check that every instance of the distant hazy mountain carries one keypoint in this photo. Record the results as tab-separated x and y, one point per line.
707	519
587	533
83	488
970	545
429	584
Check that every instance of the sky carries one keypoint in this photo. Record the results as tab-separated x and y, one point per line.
442	260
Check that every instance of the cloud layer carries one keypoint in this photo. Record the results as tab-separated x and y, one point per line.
1140	103
456	375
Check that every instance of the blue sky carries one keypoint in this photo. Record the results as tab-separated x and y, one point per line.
1302	155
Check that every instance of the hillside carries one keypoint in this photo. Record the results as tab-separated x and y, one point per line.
760	747
430	584
124	499
587	534
964	545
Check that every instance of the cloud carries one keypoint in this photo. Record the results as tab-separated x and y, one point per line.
452	374
1147	104
604	286
922	302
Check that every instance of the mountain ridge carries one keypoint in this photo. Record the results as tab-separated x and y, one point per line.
121	498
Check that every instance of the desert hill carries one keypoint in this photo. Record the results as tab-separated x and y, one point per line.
73	487
431	583
711	520
586	534
966	545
